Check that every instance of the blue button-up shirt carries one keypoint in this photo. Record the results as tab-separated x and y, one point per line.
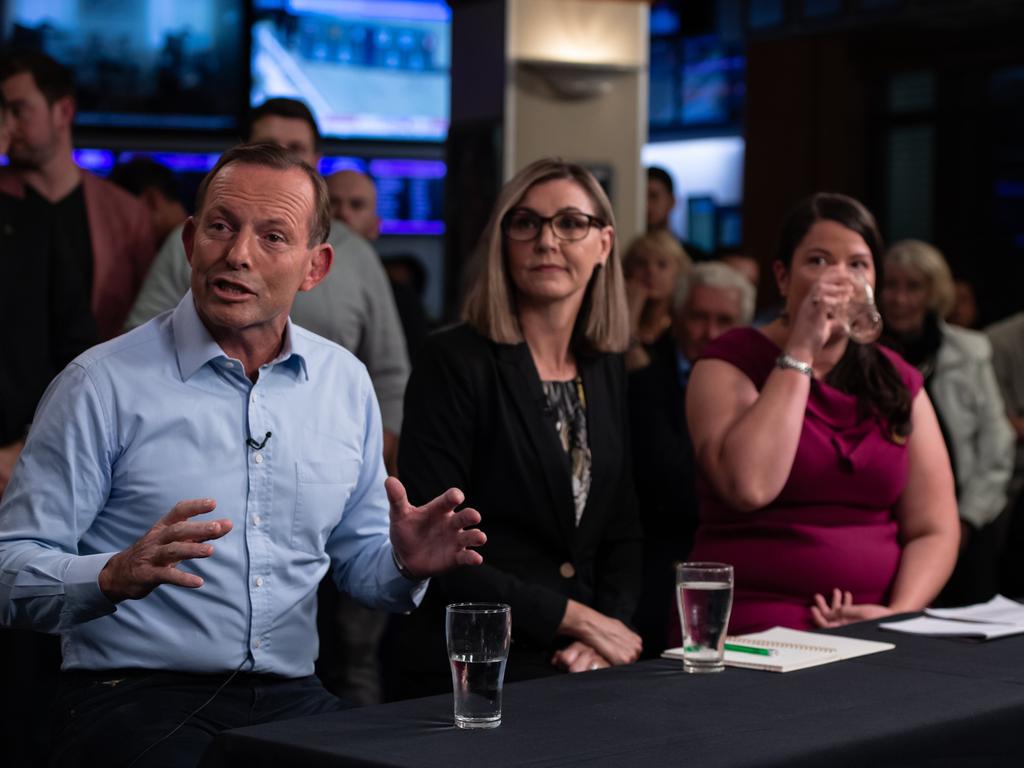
161	414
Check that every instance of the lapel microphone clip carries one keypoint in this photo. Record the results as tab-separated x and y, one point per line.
257	446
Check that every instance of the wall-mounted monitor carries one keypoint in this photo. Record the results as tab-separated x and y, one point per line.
369	69
142	63
410	191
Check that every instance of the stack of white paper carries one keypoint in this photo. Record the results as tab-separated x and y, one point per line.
998	617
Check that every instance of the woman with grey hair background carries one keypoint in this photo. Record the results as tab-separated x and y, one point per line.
916	296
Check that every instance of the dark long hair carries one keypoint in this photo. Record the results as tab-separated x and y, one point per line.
863	371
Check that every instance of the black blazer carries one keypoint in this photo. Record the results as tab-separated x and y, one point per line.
665	472
476	418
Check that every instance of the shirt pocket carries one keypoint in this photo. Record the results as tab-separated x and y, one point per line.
322	490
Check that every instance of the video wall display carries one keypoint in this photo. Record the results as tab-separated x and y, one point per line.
142	63
369	69
410	192
697	82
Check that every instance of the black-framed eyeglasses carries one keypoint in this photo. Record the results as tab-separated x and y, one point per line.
523	224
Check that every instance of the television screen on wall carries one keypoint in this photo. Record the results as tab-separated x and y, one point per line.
141	63
369	69
410	191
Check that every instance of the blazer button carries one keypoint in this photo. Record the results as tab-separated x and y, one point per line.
566	570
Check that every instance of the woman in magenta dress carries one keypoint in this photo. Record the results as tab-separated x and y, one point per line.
824	479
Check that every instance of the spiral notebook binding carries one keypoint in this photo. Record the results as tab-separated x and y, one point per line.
759	643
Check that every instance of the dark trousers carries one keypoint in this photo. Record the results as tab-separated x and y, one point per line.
123	718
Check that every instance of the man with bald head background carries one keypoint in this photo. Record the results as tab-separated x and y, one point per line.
353	197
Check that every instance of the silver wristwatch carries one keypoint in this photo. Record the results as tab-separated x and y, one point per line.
786	361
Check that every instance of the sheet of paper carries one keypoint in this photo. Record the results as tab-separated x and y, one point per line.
936	627
998	610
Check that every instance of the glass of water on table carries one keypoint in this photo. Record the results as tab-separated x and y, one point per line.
478	636
704	598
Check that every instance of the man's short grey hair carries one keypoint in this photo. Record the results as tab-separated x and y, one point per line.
715	274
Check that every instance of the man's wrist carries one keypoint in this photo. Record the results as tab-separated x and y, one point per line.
402	569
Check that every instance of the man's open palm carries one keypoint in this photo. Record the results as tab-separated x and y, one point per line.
433	538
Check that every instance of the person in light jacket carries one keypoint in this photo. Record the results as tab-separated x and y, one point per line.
957	366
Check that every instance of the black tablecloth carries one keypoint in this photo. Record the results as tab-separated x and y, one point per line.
929	702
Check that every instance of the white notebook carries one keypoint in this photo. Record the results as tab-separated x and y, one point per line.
792	649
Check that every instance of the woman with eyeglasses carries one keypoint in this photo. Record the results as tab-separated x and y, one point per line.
523	407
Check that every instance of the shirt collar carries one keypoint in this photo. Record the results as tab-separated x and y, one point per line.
195	347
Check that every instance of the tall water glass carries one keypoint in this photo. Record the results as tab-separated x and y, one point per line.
704	598
478	636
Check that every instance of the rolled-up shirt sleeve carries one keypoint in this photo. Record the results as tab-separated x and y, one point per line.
60	484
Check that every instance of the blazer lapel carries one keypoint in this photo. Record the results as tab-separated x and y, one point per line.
523	384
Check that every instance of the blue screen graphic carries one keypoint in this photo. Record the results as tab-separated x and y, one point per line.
372	69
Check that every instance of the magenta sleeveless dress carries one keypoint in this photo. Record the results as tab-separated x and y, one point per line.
831	526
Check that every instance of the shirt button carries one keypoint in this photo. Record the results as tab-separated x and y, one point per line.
566	570
253	397
256	519
258	582
256	643
258	458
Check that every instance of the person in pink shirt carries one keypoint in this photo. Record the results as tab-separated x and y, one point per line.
823	477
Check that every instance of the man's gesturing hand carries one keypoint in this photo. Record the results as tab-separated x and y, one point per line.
433	538
153	560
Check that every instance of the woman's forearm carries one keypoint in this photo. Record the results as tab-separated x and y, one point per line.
925	566
758	451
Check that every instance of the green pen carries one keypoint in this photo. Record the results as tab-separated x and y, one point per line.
750	649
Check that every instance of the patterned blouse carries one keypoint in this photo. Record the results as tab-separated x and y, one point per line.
569	403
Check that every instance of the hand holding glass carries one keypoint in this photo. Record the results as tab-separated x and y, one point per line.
704	598
860	316
478	636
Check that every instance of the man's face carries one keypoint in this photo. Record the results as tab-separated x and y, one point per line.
707	314
249	251
354	201
289	133
660	203
36	126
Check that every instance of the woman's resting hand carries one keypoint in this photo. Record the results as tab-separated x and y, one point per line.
609	637
842	610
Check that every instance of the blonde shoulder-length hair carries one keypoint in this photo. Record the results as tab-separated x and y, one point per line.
490	305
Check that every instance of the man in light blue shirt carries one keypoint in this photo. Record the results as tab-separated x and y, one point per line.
276	428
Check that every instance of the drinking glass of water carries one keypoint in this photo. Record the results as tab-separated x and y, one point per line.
704	598
860	316
478	636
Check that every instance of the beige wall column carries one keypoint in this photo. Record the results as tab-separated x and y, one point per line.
535	78
577	88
